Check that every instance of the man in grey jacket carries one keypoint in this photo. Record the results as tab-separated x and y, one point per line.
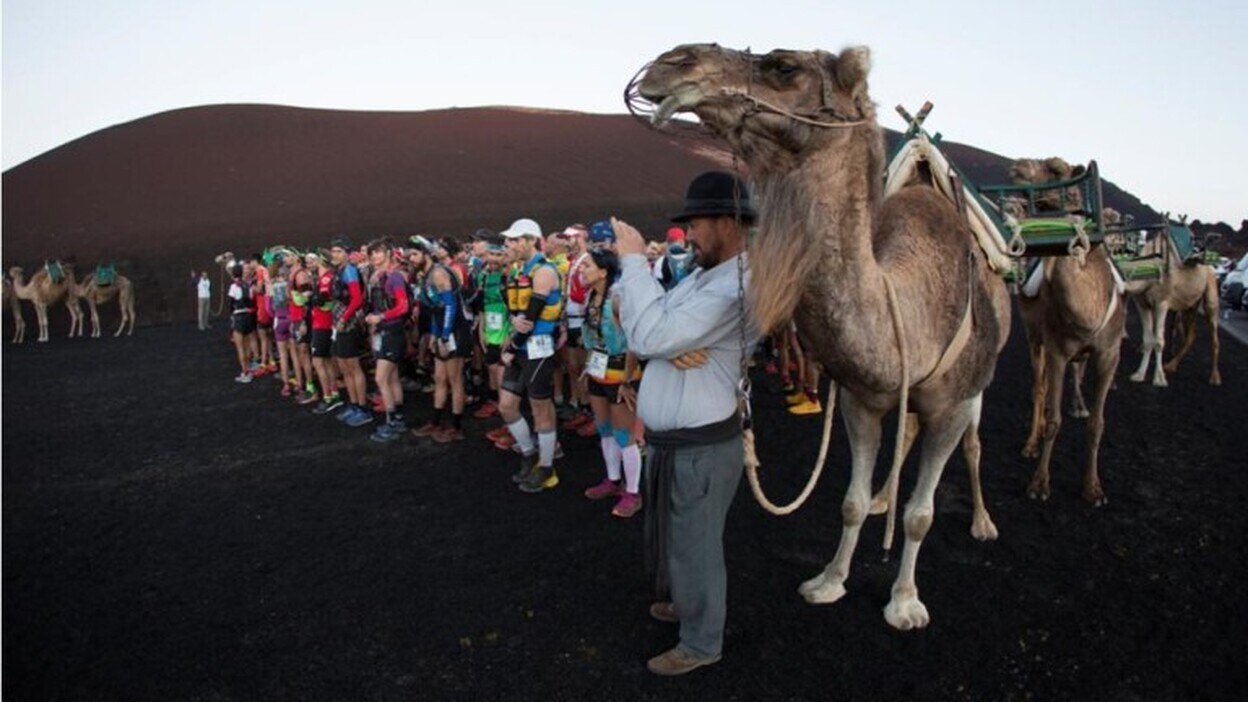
695	337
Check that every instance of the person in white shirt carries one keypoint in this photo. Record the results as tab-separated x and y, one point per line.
203	288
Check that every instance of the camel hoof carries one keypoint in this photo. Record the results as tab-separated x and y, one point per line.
821	590
1215	379
984	529
1096	499
1137	377
906	614
1038	493
1160	383
1080	413
1031	450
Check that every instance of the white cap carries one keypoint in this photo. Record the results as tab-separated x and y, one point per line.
523	227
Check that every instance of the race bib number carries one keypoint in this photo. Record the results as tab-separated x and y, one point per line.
494	321
376	343
333	335
597	365
540	346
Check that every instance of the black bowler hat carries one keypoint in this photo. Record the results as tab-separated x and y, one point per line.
717	193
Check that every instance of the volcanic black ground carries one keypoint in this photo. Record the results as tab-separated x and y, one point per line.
171	535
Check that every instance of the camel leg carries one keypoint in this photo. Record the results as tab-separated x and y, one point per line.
95	319
863	427
121	310
1106	366
1039	487
879	501
1146	339
41	311
905	610
1032	447
1186	322
1159	333
1212	303
982	528
1078	409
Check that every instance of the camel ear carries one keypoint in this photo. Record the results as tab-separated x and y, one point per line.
851	68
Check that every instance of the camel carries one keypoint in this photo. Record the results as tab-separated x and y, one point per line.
1077	312
1181	288
851	266
43	292
226	262
97	293
15	307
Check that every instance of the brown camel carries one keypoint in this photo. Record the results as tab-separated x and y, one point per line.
850	266
15	307
43	292
1076	314
226	262
1183	289
96	294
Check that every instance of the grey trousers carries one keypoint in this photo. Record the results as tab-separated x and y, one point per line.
704	482
203	311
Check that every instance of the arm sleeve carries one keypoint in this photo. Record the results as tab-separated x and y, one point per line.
450	308
656	329
399	309
356	301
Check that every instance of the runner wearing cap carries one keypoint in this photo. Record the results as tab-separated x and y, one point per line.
493	322
571	354
386	319
535	301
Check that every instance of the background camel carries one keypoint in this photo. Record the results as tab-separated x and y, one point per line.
226	262
850	266
1182	288
1072	310
15	308
43	292
97	293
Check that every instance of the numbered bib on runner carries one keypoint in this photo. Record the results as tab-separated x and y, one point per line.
376	343
540	346
596	367
494	321
450	345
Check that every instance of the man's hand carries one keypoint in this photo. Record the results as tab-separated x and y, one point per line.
628	396
627	239
521	324
691	359
372	319
507	357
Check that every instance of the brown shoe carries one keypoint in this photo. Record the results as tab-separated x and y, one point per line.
665	612
426	429
448	434
677	662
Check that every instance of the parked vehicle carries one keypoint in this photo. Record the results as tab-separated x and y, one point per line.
1233	284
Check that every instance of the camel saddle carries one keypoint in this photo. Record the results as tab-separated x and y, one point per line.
55	272
105	274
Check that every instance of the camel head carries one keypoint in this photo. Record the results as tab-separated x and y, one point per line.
225	260
762	104
16	273
1034	171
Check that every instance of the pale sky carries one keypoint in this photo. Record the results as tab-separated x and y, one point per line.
1153	90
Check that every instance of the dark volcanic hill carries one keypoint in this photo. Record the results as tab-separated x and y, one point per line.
164	194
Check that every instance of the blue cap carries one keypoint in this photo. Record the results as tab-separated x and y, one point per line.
601	232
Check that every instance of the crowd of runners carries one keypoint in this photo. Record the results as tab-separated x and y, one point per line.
359	333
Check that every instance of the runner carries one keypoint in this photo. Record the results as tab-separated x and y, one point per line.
610	371
242	319
572	354
300	328
348	315
450	341
278	302
494	324
321	339
388	316
534	299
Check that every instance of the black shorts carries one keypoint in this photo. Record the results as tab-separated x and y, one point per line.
574	338
244	322
390	344
463	344
525	377
611	391
320	340
493	354
348	344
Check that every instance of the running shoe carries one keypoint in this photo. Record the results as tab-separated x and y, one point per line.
335	401
486	410
507	441
359	417
542	478
345	412
385	434
445	435
497	433
528	464
285	390
307	398
426	429
607	488
515	447
796	397
243	378
807	407
629	504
